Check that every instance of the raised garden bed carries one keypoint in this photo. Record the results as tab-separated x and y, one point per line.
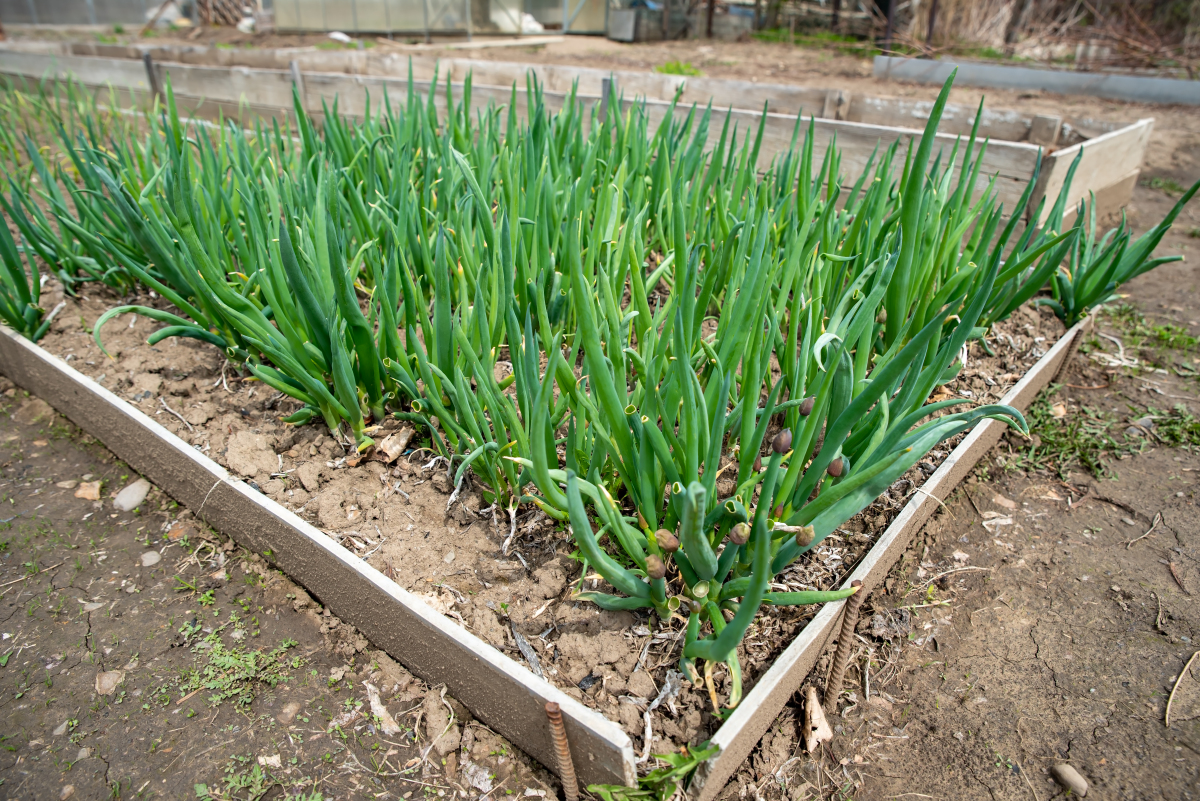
459	587
209	82
498	689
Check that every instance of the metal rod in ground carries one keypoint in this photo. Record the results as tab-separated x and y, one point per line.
151	77
566	768
833	687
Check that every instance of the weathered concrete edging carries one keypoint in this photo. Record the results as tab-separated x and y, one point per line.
1000	76
500	691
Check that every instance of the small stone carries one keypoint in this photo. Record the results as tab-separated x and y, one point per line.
67	791
84	753
1000	500
151	558
1128	522
1145	422
289	712
272	761
449	557
33	411
69	484
960	557
1058	410
132	496
180	529
107	681
1070	779
92	607
1179	495
61	730
88	490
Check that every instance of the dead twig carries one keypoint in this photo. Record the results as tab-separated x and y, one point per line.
163	401
31	575
939	502
1157	520
955	570
1175	689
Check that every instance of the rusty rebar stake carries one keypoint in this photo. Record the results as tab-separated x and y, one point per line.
566	768
833	687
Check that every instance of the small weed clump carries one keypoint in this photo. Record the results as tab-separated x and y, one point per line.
1178	428
1061	441
679	68
1093	439
1168	186
1140	334
243	779
233	672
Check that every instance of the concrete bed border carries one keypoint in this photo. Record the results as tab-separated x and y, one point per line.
1114	86
497	689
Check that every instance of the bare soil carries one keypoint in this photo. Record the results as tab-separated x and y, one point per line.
110	619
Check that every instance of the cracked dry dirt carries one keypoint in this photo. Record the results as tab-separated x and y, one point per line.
82	612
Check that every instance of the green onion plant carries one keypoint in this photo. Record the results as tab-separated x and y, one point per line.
584	312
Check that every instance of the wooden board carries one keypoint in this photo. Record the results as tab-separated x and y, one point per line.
1107	160
501	692
994	124
1012	162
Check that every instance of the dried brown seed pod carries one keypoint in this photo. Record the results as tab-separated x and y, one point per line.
666	540
739	534
806	405
655	567
804	536
758	463
783	442
881	318
836	467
